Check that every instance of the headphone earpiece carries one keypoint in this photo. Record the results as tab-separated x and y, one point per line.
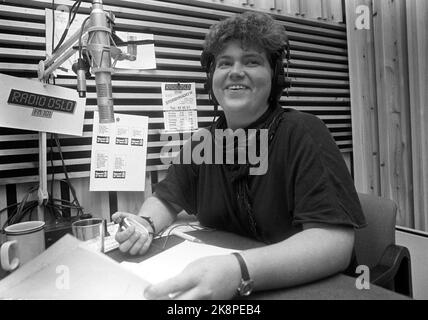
288	81
207	63
283	78
280	79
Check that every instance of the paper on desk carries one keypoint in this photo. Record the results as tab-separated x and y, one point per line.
171	262
68	270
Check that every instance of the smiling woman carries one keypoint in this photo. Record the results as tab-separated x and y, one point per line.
242	83
304	206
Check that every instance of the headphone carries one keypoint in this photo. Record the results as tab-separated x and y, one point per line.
280	79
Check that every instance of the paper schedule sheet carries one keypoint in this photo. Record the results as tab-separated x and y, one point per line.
171	262
119	153
179	106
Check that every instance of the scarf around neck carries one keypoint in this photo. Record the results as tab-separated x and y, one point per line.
238	173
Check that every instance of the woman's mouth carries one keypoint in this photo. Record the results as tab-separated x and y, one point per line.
236	87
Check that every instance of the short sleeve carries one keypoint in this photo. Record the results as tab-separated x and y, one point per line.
323	189
180	186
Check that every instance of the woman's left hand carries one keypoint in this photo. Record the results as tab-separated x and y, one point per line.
214	277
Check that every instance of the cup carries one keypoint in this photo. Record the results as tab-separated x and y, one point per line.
25	241
91	231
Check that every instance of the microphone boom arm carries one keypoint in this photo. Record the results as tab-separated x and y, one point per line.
64	52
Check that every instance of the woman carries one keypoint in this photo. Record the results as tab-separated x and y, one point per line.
304	207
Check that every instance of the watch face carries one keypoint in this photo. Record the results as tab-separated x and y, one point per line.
246	287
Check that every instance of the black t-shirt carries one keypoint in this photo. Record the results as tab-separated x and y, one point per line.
306	181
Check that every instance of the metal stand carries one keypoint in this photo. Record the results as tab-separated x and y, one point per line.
43	177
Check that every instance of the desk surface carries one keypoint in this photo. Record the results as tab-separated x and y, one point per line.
337	287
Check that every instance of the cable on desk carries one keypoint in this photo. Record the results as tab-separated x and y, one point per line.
196	227
23	210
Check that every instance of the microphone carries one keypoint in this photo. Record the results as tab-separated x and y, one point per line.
99	49
132	49
81	69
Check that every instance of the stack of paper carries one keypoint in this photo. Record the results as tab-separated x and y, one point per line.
69	270
172	261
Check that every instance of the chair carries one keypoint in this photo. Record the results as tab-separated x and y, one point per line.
375	246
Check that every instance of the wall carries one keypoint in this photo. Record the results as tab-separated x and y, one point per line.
389	96
318	68
326	10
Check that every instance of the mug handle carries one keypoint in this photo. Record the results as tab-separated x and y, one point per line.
4	253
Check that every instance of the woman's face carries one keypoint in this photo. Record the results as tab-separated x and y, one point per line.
242	79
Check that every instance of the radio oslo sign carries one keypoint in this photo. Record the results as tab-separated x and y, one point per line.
32	105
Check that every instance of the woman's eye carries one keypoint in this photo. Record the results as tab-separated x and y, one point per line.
223	63
253	62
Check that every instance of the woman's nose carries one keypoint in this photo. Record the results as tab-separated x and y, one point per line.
237	70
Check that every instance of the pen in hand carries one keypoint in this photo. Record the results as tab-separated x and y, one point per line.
186	236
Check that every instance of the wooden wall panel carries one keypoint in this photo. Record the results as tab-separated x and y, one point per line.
3	204
95	203
364	102
393	105
417	22
388	68
314	9
130	201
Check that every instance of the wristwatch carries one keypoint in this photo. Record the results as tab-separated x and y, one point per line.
150	221
246	286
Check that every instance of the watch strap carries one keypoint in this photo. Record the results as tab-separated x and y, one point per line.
244	270
150	221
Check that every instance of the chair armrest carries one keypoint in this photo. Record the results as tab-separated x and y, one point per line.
393	271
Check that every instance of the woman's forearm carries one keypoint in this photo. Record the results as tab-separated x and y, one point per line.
161	213
309	255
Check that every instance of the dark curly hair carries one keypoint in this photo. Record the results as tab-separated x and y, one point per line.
251	29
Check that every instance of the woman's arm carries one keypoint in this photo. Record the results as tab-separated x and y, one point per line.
316	252
160	212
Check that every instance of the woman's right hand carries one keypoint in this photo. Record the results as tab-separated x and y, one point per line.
131	240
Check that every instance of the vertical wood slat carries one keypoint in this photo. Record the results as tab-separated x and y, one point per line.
130	201
417	26
279	6
363	102
393	105
95	203
314	9
335	11
302	8
55	192
21	191
325	9
3	204
287	6
148	188
293	7
3	218
67	196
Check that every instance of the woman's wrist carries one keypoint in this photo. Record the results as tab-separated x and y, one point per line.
149	223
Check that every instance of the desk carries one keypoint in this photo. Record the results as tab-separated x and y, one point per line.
338	287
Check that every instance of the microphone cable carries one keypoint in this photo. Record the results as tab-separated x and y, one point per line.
71	15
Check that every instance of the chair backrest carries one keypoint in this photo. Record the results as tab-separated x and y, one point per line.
371	241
